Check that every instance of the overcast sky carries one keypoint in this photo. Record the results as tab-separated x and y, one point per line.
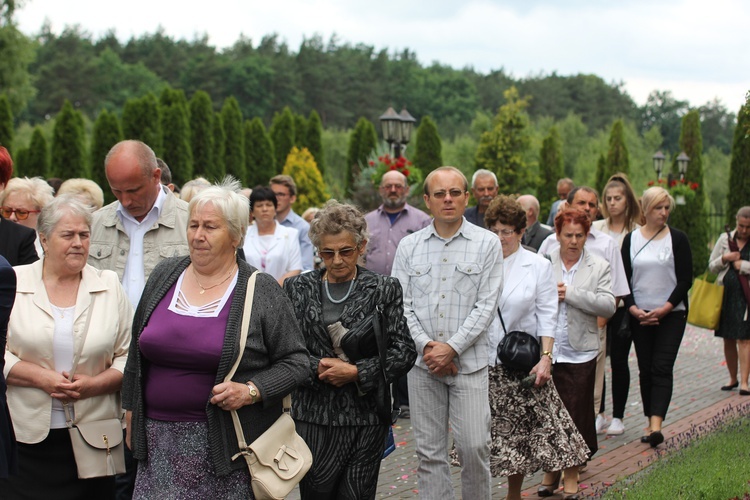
698	49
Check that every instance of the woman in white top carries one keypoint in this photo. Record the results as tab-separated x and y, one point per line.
531	429
659	266
269	246
622	214
56	298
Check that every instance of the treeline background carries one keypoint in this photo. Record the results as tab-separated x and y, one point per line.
342	82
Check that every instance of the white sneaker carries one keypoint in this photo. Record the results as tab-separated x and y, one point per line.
601	424
616	427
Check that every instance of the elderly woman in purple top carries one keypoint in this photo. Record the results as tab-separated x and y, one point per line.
185	340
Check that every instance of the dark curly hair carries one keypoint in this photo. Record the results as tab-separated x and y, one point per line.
505	210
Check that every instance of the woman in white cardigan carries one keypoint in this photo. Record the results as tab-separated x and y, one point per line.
55	297
269	246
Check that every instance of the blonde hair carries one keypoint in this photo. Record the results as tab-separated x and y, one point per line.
655	195
35	188
85	189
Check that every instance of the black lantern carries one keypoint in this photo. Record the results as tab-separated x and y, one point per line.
397	129
658	163
682	164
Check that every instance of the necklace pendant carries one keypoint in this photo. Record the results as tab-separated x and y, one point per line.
202	291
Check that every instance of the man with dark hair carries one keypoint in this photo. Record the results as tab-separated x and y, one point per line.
166	174
285	190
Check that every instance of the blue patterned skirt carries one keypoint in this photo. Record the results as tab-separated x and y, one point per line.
178	466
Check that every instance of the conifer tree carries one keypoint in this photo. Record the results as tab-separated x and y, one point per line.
258	153
691	217
175	135
36	163
739	173
551	168
218	171
141	121
314	142
502	149
106	134
617	156
282	136
68	147
300	131
362	141
6	124
311	190
201	134
234	144
429	151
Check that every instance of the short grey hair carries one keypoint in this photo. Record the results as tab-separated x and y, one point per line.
744	213
226	198
54	211
528	201
35	188
335	218
482	173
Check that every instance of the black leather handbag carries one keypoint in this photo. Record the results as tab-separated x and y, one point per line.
518	350
360	342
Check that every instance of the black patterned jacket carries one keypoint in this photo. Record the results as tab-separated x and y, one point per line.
322	403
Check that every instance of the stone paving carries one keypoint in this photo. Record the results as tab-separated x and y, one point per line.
699	372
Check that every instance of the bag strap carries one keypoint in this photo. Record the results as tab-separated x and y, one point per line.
244	327
76	357
501	321
734	247
649	241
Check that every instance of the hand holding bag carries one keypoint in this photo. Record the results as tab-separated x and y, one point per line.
279	458
705	303
98	445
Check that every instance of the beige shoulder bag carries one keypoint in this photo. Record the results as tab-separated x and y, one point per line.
279	458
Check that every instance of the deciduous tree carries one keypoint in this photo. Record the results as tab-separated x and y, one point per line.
551	168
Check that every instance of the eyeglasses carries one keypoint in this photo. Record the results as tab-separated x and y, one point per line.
388	187
454	193
281	195
504	232
343	253
21	214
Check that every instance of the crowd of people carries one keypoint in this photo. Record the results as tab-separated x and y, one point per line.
133	311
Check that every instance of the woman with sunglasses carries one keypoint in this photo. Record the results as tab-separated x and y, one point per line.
23	199
336	409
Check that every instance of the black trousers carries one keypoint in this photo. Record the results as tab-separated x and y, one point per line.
619	350
656	348
346	461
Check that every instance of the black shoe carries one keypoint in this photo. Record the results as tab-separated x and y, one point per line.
743	392
405	412
646	439
730	386
655	439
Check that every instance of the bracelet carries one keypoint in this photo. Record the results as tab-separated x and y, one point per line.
548	354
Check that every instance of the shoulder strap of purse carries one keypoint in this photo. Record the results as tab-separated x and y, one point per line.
501	321
77	357
649	241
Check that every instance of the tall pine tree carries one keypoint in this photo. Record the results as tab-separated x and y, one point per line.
314	142
739	174
68	147
106	134
201	134
6	124
234	142
617	156
551	168
258	153
141	121
282	136
300	131
429	151
362	141
218	171
36	163
175	135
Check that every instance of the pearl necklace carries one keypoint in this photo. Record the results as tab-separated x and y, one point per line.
348	292
203	289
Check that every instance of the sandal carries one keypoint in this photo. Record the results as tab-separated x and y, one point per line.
547	490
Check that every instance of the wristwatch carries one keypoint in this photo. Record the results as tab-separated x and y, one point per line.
548	354
253	392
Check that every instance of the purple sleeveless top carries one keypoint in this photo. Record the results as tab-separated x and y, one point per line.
183	355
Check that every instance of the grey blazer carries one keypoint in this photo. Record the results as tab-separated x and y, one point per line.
590	295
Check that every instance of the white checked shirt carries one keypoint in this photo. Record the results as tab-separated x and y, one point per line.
451	289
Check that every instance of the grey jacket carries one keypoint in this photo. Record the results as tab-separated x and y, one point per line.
275	360
590	295
110	244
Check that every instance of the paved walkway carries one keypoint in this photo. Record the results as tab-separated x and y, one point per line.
699	373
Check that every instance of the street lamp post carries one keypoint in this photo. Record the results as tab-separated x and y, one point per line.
397	129
658	164
682	163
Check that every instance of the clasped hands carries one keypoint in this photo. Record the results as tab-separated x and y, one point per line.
66	391
734	258
337	372
652	317
438	356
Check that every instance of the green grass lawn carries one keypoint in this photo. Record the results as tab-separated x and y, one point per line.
712	467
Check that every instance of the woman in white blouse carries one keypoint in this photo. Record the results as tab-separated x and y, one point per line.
269	246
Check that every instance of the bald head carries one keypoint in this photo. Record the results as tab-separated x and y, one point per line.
530	205
133	177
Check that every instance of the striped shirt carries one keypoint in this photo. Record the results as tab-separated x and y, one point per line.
451	289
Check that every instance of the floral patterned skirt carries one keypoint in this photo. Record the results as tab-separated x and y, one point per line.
178	465
531	429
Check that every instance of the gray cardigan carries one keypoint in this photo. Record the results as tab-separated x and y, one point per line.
275	360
